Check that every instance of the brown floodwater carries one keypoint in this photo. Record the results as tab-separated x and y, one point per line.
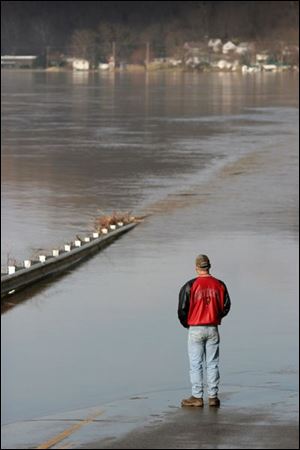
214	158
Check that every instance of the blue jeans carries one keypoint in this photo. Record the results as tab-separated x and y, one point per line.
203	347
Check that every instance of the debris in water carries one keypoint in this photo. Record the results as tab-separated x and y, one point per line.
115	219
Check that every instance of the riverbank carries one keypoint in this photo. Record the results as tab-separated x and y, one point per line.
135	68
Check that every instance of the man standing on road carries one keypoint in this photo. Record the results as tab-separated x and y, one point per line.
203	302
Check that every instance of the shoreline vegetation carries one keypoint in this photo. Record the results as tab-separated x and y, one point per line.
151	36
136	68
213	55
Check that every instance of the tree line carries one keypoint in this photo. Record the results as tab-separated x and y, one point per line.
88	28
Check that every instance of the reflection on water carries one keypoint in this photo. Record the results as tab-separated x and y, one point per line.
215	158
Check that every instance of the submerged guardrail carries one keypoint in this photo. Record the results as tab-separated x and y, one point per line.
61	260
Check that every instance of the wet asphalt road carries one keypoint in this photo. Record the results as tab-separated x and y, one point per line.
209	428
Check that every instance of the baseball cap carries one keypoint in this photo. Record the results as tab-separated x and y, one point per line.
203	262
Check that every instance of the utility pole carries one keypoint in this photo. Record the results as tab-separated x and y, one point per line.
47	57
114	53
147	54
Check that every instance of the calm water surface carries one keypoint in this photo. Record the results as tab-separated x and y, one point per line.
215	158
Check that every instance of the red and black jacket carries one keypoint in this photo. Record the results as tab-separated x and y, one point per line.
203	301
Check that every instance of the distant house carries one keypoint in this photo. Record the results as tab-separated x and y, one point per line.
215	45
110	65
17	61
195	48
262	58
225	65
290	54
103	66
228	47
244	48
80	64
195	53
167	61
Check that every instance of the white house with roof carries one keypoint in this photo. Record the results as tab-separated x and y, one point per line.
228	47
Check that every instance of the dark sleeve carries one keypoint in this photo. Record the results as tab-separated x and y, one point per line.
227	302
184	303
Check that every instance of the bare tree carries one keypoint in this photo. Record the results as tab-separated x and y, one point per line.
174	39
42	32
10	34
83	44
124	36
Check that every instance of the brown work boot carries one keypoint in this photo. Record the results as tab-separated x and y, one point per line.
214	401
192	401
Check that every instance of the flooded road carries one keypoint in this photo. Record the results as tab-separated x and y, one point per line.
214	157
